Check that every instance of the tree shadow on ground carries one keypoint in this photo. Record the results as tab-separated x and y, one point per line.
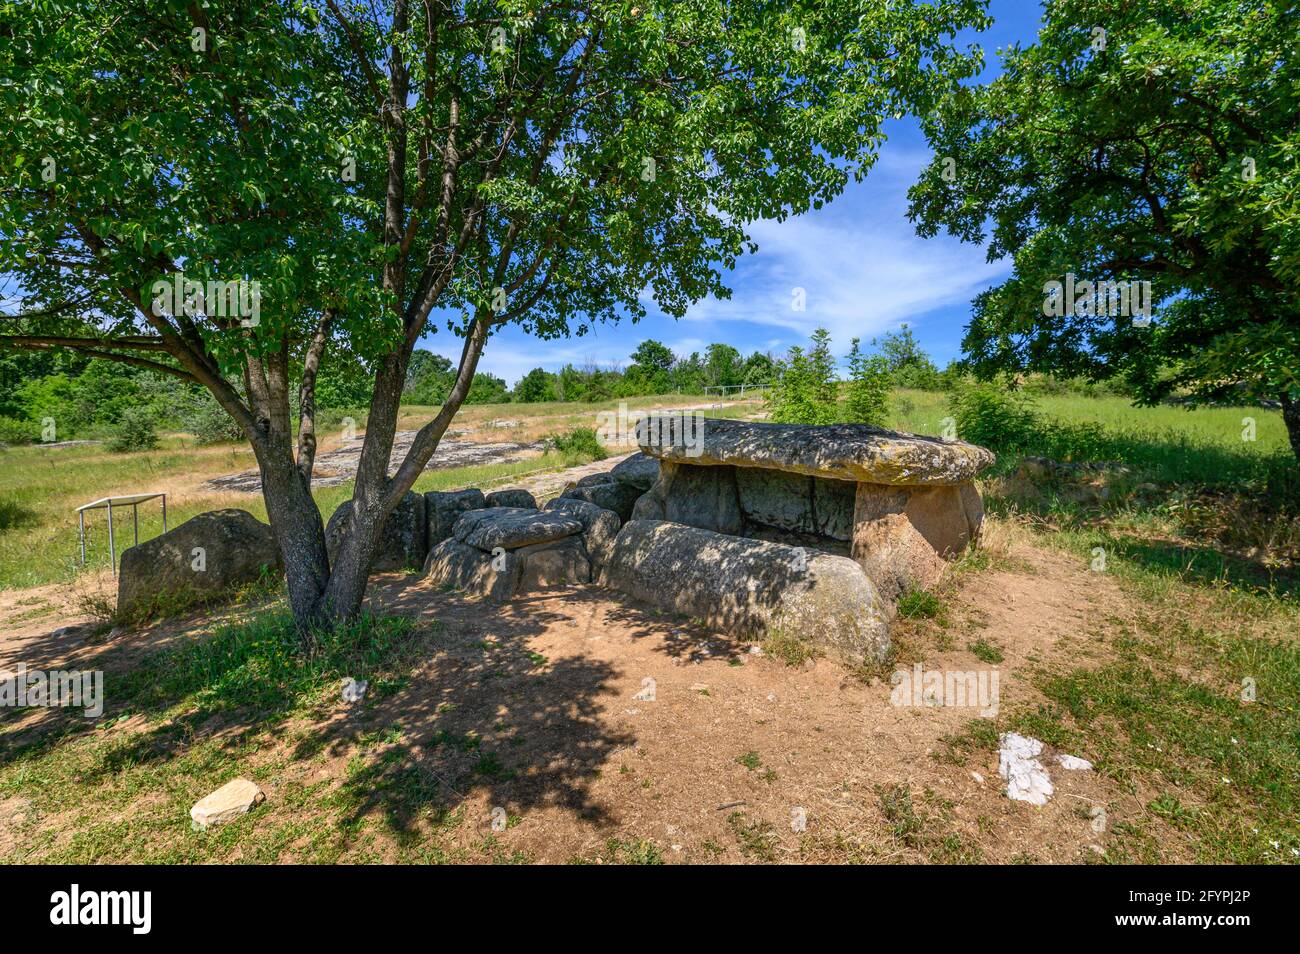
469	712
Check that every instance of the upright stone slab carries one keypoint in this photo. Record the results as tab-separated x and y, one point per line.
639	470
463	567
404	541
599	526
513	497
603	491
704	497
444	507
904	535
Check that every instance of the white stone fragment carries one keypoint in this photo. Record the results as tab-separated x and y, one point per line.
1074	763
1026	777
354	690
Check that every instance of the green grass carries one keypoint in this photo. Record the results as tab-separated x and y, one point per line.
920	604
1202	535
985	651
248	678
788	647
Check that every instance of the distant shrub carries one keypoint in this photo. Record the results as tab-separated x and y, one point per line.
579	443
14	431
804	389
867	396
989	414
135	431
210	424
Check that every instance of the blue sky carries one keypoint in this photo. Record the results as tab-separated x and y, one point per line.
864	269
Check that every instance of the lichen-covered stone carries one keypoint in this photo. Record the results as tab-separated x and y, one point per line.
513	527
599	526
833	502
559	563
513	497
776	498
207	555
704	497
639	470
404	541
494	577
857	452
444	507
903	536
610	494
751	587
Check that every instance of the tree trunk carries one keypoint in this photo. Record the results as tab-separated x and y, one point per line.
296	522
1291	418
370	507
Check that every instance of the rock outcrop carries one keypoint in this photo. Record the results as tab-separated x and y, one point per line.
207	555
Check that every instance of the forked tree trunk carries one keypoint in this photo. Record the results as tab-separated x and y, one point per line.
296	521
376	494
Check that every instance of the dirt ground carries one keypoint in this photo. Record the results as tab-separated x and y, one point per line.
607	726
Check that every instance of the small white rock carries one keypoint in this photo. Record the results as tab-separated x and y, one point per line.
1074	763
354	690
978	777
226	804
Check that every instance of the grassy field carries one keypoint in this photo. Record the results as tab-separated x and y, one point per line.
1188	700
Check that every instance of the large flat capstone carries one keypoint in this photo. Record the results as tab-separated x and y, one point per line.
857	452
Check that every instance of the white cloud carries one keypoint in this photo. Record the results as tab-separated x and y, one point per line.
860	278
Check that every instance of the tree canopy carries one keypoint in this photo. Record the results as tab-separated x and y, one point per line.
1154	141
366	175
